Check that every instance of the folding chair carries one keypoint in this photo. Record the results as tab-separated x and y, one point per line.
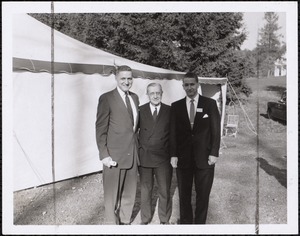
231	128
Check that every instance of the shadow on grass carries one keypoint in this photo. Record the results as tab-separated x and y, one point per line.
283	122
279	174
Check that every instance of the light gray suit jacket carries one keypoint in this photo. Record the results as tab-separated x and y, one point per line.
114	131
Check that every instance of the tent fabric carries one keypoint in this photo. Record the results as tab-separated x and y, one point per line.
82	74
32	50
20	64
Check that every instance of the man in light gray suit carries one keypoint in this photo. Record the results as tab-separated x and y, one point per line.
116	126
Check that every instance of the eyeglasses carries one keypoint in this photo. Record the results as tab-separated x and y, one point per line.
154	93
123	79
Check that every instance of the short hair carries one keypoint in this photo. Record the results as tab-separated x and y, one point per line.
191	75
153	85
122	68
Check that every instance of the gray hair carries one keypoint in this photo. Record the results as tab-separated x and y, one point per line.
154	85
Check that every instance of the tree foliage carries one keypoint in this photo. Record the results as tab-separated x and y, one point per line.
269	47
205	43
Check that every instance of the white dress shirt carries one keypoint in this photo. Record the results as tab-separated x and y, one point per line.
134	108
152	107
188	103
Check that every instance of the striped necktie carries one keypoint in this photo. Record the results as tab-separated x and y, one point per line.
155	114
192	113
129	108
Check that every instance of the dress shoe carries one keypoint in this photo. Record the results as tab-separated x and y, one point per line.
121	223
164	223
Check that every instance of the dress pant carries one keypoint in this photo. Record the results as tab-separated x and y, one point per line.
119	193
163	176
203	179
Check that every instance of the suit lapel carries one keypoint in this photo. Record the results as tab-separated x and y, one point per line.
122	105
185	113
119	100
199	114
148	112
136	102
151	119
160	115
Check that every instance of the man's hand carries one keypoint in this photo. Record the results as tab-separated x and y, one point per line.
107	161
174	161
212	159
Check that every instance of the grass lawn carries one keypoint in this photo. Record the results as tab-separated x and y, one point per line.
251	188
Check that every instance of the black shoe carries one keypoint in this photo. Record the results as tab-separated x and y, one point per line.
164	223
121	223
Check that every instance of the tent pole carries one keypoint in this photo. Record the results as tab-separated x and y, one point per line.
52	108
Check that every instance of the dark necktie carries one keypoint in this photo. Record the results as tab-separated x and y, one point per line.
192	113
155	114
129	108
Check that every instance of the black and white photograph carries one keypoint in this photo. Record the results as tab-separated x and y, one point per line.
149	118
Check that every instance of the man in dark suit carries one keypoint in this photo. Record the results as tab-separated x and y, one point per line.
116	135
194	147
154	155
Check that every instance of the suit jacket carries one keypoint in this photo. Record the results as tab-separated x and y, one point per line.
193	146
114	131
154	136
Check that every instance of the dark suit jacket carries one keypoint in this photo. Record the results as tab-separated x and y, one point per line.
202	141
154	136
114	132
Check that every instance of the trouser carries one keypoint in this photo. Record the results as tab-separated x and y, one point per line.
119	193
163	176
203	179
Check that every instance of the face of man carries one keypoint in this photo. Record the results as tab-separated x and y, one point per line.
155	94
190	86
124	80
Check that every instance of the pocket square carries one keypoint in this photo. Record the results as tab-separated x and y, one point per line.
205	116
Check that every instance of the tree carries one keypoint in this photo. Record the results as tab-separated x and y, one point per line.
269	47
205	43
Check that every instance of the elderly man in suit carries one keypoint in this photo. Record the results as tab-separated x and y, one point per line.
154	155
194	147
116	136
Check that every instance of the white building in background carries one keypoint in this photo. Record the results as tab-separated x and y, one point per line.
280	66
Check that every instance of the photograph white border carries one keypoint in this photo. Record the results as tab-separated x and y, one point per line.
291	9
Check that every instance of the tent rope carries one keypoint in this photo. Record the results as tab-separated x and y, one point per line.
40	178
248	121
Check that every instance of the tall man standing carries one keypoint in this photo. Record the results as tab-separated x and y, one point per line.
116	126
154	155
194	146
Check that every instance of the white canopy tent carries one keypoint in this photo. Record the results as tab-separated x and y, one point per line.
81	74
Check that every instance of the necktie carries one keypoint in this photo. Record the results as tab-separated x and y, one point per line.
129	108
192	112
155	114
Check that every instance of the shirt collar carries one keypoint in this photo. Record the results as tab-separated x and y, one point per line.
195	98
121	92
152	107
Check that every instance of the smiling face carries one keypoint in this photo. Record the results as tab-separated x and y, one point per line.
154	93
124	80
190	86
